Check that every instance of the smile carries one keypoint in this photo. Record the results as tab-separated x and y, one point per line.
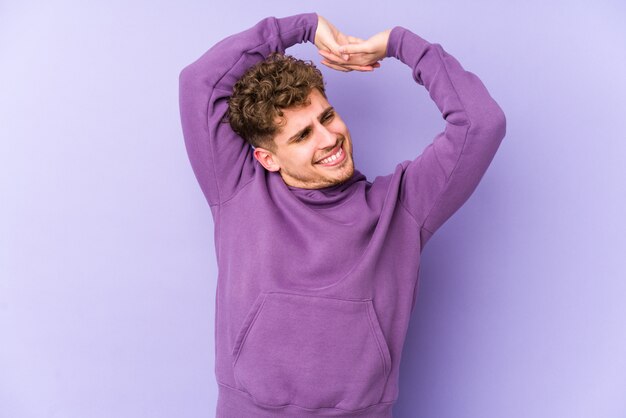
334	159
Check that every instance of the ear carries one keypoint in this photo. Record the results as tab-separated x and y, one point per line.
267	159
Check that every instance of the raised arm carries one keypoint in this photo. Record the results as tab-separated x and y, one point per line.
437	183
441	179
221	160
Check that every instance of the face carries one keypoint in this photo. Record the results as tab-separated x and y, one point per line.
313	148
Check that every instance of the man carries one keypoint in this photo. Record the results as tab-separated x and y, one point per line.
318	266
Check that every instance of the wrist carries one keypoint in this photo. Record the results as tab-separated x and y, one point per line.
393	38
298	28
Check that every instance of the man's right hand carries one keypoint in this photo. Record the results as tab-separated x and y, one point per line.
329	40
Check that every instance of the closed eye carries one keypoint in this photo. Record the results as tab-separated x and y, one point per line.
303	136
306	133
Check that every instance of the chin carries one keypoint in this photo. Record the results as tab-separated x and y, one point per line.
345	176
320	181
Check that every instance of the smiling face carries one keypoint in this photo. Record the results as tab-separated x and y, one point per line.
313	148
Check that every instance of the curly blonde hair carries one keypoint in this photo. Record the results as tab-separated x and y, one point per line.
278	82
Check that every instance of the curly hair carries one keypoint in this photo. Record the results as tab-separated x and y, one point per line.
278	82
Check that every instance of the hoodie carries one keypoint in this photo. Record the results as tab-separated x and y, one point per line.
315	287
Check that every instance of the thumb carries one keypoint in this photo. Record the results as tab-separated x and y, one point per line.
337	50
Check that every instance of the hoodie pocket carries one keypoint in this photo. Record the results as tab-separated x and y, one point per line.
313	352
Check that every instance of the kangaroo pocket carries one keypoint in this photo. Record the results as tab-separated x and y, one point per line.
313	352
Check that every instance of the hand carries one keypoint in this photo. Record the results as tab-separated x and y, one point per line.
363	53
328	40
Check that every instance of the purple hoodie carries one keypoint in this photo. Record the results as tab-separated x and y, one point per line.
316	286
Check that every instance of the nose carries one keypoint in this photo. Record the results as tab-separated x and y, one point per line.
328	139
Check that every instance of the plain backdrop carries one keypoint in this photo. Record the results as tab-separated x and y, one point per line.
107	259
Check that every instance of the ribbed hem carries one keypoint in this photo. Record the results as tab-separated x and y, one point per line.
233	403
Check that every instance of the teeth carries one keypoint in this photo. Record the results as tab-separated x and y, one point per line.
332	157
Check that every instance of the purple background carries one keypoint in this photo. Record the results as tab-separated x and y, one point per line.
107	263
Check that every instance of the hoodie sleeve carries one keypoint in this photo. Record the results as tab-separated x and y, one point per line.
439	181
222	161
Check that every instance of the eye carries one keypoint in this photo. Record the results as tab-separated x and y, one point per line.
302	136
329	116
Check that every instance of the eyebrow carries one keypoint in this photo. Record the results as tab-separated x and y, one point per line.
322	115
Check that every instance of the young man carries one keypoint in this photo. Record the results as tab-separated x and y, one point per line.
318	266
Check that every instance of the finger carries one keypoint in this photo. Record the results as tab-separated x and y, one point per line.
363	68
355	48
338	60
335	67
331	57
335	50
360	68
356	67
